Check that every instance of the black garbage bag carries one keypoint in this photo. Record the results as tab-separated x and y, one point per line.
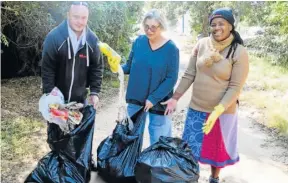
114	144
170	160
70	158
117	154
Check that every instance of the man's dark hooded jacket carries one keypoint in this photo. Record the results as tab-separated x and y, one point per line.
71	74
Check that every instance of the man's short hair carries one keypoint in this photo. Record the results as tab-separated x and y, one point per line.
80	3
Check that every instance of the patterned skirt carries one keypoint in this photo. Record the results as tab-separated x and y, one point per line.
219	147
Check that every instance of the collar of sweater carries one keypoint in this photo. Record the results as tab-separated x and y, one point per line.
221	45
213	55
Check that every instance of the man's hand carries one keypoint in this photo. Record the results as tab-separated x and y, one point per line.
94	100
171	106
148	105
218	110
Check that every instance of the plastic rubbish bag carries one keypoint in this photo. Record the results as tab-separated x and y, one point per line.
54	110
70	158
54	97
170	160
117	154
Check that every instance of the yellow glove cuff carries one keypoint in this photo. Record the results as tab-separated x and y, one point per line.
114	64
113	58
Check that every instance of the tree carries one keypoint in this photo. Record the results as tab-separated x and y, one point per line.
200	12
23	28
24	25
171	10
273	43
270	15
114	22
278	17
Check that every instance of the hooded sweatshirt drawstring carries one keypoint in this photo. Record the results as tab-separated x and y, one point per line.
69	51
87	54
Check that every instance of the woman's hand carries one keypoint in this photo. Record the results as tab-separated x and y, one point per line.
148	105
171	106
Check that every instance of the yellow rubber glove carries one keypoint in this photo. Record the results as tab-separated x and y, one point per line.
114	64
218	110
113	57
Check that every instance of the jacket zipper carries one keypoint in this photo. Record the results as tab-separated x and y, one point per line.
73	70
72	79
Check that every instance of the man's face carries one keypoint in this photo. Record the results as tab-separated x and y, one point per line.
78	17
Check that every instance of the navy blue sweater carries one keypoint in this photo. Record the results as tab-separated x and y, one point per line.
153	73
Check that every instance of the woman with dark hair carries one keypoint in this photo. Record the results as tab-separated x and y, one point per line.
218	69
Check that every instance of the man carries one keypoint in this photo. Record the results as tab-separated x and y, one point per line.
71	59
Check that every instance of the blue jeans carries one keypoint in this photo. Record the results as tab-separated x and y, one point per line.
159	125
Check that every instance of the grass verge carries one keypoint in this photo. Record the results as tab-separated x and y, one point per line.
23	130
267	90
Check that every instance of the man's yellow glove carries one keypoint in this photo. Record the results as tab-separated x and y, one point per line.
218	110
113	57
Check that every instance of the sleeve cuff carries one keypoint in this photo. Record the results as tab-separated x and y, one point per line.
154	102
94	93
177	95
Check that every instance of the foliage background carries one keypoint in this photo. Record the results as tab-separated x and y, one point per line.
272	16
24	26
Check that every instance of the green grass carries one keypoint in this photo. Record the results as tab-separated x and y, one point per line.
114	83
267	76
23	130
267	90
15	132
278	120
111	81
20	142
22	127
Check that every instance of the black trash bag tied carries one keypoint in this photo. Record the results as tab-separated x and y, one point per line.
117	142
117	154
170	160
70	158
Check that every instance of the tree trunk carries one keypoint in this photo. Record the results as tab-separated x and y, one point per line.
205	25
